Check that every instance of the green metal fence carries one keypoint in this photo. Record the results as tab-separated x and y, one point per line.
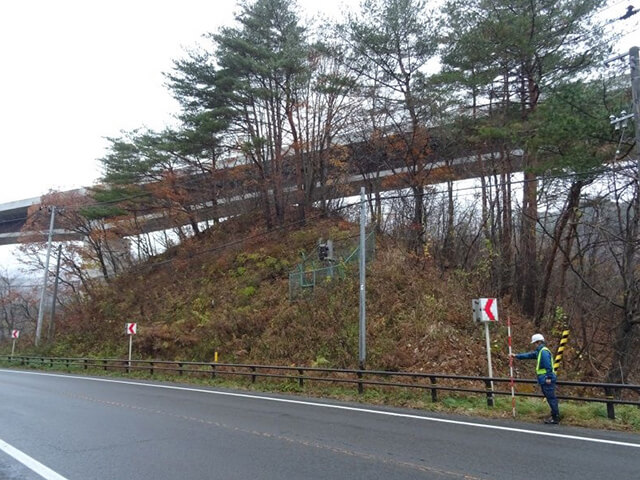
309	275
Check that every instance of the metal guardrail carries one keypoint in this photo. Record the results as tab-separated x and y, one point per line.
613	394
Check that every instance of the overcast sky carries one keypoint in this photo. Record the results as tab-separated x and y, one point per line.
76	71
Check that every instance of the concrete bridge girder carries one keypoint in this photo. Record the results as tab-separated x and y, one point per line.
13	215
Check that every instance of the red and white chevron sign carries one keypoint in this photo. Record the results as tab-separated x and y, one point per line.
488	310
15	333
131	328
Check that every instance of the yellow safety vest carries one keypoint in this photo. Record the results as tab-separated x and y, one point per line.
542	371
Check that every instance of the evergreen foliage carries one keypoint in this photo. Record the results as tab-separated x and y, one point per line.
276	113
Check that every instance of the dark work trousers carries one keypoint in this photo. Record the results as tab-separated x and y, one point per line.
549	391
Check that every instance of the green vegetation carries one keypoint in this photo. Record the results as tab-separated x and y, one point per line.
278	112
235	301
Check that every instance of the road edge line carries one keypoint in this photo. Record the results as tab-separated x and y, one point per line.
338	407
29	462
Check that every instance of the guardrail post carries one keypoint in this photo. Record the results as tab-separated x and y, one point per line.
610	399
434	391
611	412
487	383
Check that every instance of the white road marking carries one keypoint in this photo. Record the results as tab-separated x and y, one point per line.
32	464
339	407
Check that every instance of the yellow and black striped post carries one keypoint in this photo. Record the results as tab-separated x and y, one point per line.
563	343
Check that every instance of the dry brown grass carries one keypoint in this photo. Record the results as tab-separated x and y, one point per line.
235	301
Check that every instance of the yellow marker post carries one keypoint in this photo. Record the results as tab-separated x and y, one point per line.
563	342
215	357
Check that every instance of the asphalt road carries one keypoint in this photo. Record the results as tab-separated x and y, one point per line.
83	428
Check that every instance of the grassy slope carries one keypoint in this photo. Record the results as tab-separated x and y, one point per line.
235	300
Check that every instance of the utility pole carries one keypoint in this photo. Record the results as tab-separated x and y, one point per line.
631	252
46	275
52	327
362	343
634	66
634	63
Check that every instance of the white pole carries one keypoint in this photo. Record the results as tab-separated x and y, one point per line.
13	348
486	334
130	343
363	322
513	390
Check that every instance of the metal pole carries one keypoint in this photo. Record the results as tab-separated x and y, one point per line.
363	322
130	343
13	348
52	327
513	389
634	64
486	334
46	275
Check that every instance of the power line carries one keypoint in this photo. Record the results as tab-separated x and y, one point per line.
343	207
9	287
386	197
252	237
13	220
598	171
288	225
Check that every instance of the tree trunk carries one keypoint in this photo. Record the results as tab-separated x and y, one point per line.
527	279
449	247
572	202
528	287
625	346
506	234
299	167
626	341
214	187
417	239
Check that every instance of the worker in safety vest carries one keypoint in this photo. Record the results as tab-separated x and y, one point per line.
545	372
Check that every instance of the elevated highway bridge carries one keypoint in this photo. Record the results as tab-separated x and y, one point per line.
13	215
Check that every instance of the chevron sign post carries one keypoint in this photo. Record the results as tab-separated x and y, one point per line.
488	309
485	310
14	334
131	329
